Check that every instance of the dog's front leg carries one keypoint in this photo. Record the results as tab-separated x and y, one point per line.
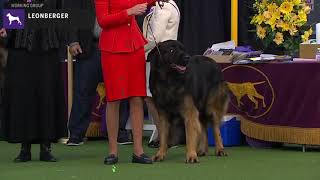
193	128
164	135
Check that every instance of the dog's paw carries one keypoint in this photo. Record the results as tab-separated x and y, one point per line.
192	158
221	152
160	156
202	153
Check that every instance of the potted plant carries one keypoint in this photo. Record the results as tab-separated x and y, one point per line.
282	24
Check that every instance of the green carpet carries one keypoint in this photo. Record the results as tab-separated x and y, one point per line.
86	163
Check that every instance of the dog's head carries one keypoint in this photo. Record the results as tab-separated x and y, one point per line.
168	53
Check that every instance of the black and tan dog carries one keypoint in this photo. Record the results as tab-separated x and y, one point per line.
188	89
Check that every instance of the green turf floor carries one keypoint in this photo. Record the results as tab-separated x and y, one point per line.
86	163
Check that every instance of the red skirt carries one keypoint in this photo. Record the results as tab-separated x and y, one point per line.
124	74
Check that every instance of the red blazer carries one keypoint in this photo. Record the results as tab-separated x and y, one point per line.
120	32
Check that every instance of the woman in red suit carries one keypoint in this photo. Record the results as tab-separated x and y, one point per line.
123	65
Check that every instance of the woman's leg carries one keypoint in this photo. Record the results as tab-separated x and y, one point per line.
113	125
136	115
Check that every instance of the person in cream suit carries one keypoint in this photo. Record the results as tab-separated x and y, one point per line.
160	24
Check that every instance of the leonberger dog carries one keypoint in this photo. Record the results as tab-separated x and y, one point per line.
191	90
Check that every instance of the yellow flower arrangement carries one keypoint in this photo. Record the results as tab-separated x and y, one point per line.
261	32
306	35
279	38
282	22
286	7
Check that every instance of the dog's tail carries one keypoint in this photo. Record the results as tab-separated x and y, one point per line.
258	83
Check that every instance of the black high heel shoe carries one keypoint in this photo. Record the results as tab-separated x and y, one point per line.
25	153
111	160
45	153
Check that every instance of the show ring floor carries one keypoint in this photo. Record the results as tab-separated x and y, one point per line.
86	163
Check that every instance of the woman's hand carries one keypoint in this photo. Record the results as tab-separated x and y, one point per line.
3	33
75	49
138	9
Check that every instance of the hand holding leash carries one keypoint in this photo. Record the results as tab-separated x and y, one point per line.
138	9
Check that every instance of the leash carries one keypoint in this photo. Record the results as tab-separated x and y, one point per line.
154	37
180	69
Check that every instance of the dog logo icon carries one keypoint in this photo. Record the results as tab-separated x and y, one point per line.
252	93
13	18
102	95
239	90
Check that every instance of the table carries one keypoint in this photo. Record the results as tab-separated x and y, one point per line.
278	102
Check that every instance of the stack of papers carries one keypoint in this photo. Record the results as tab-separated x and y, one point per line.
264	58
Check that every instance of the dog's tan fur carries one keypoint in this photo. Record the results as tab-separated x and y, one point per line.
193	129
164	136
219	105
